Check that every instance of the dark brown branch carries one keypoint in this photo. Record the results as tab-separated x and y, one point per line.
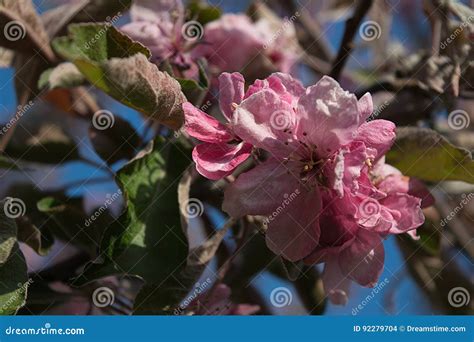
352	24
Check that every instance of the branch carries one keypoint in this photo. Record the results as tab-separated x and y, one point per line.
347	40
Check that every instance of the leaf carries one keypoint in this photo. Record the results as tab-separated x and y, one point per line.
147	240
14	283
22	28
8	232
203	12
6	163
13	276
118	142
42	142
119	66
65	75
29	234
427	155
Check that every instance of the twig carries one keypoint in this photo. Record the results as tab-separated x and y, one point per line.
347	40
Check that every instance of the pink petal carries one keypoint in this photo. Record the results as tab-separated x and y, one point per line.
377	134
366	107
204	127
288	88
328	115
418	189
231	91
363	260
260	190
293	227
265	121
215	161
406	210
336	284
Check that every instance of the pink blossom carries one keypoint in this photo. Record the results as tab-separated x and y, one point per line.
158	26
321	148
254	40
217	302
221	150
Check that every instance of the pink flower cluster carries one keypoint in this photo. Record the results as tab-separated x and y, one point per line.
160	26
317	144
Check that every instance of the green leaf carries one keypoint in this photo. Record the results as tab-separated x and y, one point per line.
427	155
203	12
5	163
8	232
114	63
13	272
147	240
65	75
13	283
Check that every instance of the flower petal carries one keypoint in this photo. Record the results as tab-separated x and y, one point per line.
366	107
265	121
231	90
328	115
204	127
377	134
215	161
260	190
363	260
406	210
293	228
336	284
